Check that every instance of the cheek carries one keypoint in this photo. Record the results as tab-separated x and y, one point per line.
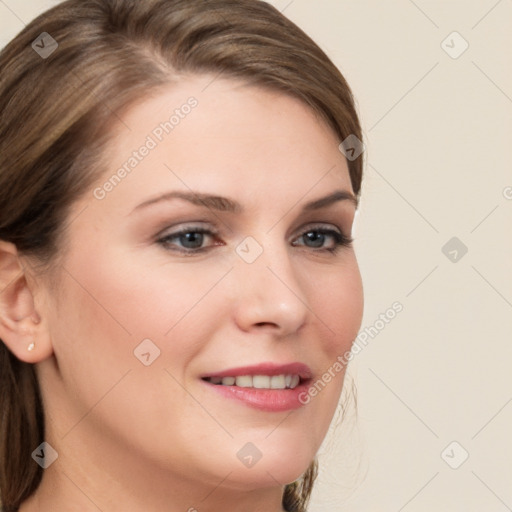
106	308
337	301
112	303
337	304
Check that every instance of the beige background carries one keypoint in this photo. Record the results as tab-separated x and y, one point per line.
438	166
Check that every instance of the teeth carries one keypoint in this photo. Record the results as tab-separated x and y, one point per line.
277	382
259	381
244	381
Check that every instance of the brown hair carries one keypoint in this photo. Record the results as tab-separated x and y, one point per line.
57	109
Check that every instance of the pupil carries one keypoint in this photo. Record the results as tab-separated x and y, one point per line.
191	237
315	237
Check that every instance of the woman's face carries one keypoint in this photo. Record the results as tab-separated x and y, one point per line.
147	322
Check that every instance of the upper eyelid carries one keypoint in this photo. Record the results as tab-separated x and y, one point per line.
214	225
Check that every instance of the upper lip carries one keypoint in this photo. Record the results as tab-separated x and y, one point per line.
300	369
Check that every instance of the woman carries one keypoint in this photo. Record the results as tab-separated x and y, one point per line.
178	182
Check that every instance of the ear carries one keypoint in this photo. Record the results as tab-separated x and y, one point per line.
20	324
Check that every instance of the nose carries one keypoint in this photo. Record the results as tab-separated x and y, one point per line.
269	293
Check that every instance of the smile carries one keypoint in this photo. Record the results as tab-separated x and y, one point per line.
266	387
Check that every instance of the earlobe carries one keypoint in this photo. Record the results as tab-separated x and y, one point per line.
22	329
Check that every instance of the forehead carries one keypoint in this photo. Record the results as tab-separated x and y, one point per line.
220	135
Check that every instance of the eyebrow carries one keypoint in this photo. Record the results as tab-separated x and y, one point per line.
225	204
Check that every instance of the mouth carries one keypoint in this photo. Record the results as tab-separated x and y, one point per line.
268	387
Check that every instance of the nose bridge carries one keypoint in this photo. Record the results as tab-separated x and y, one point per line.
269	290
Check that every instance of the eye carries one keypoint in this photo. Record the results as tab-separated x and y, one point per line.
190	238
317	235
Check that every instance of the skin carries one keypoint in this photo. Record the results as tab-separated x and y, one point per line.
135	438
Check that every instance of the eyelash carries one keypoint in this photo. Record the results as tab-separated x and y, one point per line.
340	240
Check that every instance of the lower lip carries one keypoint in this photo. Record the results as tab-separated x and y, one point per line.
271	400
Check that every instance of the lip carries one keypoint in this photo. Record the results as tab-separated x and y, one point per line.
270	400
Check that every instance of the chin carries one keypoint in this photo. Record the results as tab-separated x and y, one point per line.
266	475
275	466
